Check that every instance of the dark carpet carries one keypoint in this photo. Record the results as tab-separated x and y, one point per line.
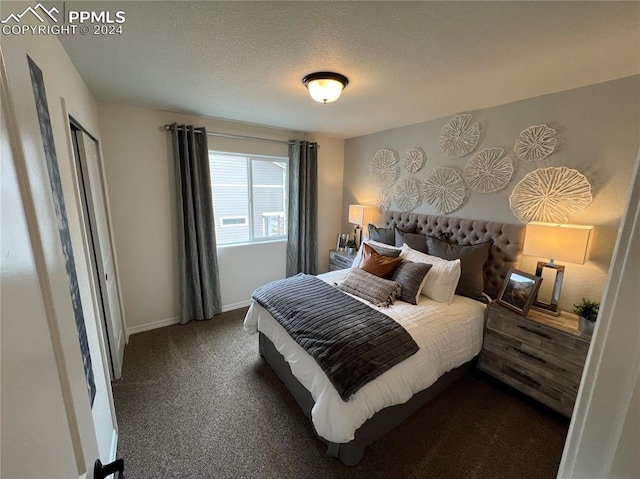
197	401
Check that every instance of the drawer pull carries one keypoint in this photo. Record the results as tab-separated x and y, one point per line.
546	336
522	377
532	356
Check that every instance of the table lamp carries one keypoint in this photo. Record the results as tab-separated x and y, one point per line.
359	215
562	242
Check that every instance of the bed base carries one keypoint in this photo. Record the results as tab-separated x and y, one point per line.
374	428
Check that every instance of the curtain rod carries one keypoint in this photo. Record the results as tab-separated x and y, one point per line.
237	137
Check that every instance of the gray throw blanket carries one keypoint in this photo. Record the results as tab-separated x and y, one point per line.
352	342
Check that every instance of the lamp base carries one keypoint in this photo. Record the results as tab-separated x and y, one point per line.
550	307
357	235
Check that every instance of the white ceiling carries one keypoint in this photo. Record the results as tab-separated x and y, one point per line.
407	62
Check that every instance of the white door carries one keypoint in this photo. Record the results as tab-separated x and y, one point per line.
50	428
95	208
32	408
41	432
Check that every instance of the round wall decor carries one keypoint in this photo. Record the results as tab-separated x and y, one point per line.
406	194
414	159
488	170
535	143
444	189
550	195
459	136
383	168
383	201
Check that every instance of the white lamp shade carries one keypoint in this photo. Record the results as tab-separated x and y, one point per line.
360	214
325	90
569	243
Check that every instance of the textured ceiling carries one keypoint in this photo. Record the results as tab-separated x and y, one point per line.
407	62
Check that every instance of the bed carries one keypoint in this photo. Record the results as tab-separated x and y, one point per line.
449	336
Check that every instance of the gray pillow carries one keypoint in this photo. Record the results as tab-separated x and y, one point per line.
411	276
387	235
472	260
414	240
378	291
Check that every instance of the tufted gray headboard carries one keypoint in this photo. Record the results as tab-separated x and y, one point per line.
505	250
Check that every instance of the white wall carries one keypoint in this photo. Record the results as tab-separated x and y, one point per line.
604	436
599	131
140	182
68	95
30	397
41	360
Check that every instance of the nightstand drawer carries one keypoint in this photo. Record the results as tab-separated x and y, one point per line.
340	260
540	362
541	356
522	378
564	345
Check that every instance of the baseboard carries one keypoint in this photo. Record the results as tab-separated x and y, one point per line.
231	307
153	325
171	321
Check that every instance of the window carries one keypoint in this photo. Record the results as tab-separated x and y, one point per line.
249	197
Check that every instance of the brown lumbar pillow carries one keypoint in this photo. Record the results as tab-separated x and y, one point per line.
377	264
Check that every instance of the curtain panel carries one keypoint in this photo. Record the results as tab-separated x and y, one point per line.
302	220
199	278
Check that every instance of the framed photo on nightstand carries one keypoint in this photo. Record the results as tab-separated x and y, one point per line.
342	241
519	290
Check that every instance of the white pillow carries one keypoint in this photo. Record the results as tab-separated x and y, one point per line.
356	260
442	278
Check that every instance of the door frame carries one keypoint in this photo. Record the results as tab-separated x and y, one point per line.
94	255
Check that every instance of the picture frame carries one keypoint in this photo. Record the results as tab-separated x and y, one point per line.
519	290
342	241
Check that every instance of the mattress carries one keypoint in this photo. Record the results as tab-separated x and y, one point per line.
448	336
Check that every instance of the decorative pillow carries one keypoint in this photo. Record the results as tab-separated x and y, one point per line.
412	276
414	240
472	260
381	248
377	264
442	278
387	235
369	287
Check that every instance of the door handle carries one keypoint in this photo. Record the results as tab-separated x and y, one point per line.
102	471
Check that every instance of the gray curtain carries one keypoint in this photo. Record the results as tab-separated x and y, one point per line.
302	221
199	279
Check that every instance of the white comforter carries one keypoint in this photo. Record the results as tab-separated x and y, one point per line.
448	336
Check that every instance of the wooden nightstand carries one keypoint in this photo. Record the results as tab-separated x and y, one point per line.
340	260
540	355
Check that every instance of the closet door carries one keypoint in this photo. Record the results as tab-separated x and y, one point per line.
97	219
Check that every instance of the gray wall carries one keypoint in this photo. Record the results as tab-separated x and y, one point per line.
599	131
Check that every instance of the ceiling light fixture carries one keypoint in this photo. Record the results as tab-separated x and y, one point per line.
325	87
